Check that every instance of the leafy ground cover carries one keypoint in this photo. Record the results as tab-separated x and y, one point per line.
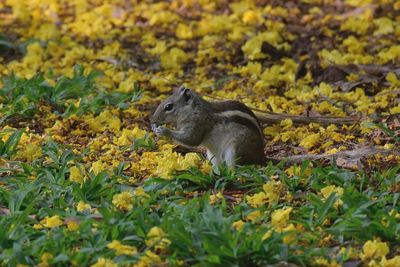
84	182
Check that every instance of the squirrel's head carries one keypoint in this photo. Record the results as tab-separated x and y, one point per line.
179	104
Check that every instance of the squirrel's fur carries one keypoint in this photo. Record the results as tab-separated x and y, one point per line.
229	130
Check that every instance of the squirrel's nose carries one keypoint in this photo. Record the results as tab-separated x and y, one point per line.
154	126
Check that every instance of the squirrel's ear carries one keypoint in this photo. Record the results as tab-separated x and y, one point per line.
186	93
181	89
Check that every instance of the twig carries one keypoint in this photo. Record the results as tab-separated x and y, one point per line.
351	156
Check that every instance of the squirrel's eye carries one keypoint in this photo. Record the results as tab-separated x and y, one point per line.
168	107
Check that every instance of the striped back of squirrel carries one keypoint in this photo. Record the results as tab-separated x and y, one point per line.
238	112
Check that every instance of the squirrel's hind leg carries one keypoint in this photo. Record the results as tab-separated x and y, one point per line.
213	158
229	156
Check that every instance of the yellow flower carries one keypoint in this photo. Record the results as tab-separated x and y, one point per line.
158	47
391	53
103	262
289	238
76	175
328	190
183	31
310	141
98	166
167	164
325	263
280	217
393	262
44	259
189	160
394	214
252	69
286	123
272	190
163	17
392	78
106	120
384	26
173	59
49	222
353	46
123	201
347	252
139	192
122	249
270	195
212	23
72	225
30	152
374	249
47	32
156	238
128	136
355	24
238	225
82	206
33	57
256	200
148	259
169	161
206	167
267	235
37	226
215	197
252	48
251	17
254	215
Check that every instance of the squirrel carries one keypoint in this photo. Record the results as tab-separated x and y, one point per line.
229	130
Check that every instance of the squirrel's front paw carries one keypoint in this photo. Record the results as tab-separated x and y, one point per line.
159	130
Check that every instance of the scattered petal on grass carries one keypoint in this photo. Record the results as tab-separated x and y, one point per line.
238	225
76	174
215	197
103	262
82	206
254	216
128	136
45	258
49	222
174	58
30	152
148	259
72	225
393	262
310	141
156	237
328	190
257	200
374	249
123	201
99	166
267	235
280	217
79	82
251	17
121	249
139	192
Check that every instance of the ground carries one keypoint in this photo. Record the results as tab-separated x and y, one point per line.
85	182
